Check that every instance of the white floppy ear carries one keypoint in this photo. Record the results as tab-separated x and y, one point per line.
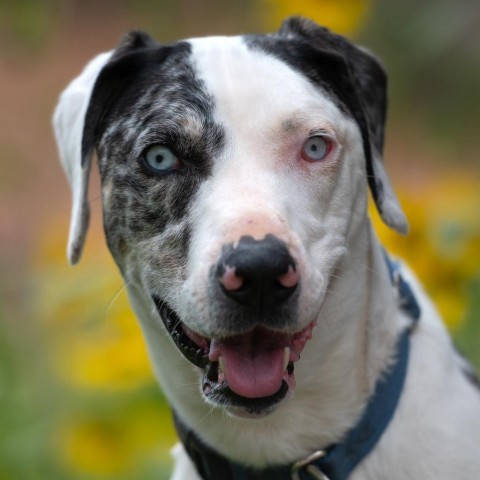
68	124
385	198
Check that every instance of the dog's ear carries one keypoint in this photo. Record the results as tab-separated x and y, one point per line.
75	122
364	92
68	125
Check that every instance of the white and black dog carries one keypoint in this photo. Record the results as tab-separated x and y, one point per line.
234	177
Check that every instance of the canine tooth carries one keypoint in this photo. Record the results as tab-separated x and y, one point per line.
221	364
286	357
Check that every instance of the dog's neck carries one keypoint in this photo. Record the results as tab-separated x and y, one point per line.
330	394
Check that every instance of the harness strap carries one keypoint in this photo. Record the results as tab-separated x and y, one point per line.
339	460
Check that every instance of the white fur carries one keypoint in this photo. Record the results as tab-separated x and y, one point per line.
68	122
391	213
183	465
259	184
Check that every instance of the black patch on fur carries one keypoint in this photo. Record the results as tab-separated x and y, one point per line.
149	94
354	79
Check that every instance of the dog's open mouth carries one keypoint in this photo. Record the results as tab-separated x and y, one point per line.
253	370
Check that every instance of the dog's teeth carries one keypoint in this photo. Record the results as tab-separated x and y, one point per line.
286	357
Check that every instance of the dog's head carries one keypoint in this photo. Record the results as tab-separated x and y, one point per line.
234	174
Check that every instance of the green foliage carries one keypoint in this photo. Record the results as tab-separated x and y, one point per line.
468	337
432	53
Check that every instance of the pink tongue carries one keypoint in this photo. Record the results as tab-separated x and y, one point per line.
253	375
253	362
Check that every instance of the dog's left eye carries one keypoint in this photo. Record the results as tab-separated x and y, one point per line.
160	159
316	149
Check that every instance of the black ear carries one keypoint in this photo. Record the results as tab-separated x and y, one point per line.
126	62
364	92
132	41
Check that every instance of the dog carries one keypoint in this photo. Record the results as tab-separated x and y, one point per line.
235	173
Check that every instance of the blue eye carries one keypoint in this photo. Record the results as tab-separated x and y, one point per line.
160	159
316	149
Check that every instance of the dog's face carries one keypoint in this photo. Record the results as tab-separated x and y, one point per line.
234	177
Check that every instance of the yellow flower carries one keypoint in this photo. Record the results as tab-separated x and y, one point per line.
125	439
443	245
95	448
342	16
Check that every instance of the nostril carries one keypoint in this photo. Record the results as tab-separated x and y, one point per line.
289	279
228	278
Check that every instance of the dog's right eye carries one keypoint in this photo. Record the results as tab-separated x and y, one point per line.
316	149
159	159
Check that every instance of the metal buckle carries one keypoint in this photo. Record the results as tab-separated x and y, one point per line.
312	470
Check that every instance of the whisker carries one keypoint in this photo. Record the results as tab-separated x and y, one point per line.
115	297
185	385
208	414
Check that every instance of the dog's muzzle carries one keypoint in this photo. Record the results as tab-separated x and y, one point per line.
255	282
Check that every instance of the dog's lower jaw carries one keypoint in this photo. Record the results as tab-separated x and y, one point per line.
234	405
218	394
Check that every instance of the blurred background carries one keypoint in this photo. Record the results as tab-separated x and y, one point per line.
77	396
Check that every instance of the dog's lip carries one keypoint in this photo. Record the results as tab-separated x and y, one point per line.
207	354
194	347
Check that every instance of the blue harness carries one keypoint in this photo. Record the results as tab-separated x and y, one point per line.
337	461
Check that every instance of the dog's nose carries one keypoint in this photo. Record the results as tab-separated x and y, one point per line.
257	273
